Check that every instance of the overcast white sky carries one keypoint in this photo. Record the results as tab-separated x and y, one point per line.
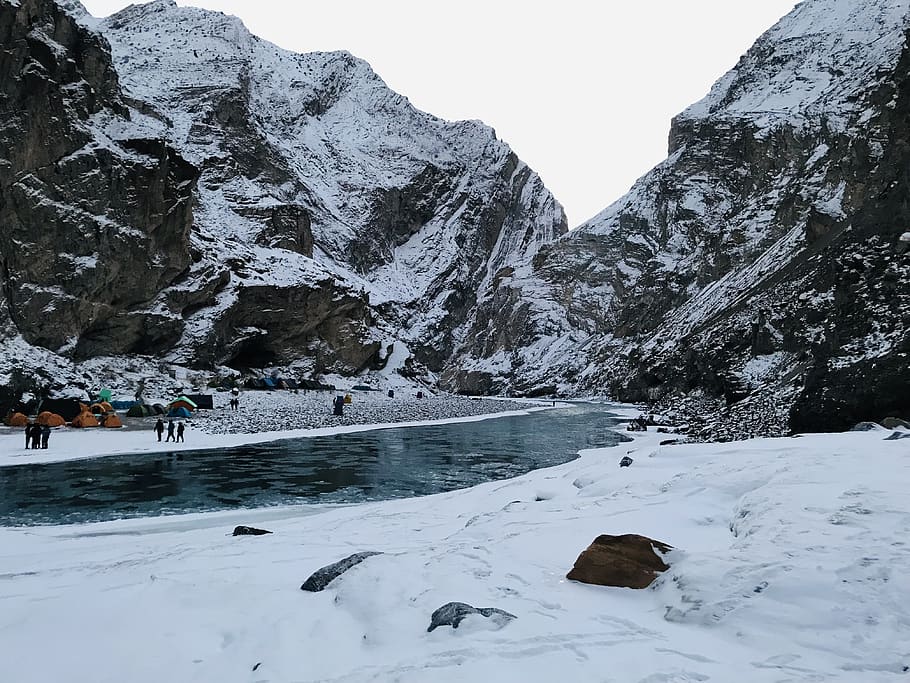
583	90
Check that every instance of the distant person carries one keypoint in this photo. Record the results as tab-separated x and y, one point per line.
36	436
170	431
338	405
159	428
28	435
45	435
180	430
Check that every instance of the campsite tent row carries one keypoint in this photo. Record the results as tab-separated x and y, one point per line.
86	418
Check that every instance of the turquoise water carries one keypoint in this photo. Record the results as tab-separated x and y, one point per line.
345	468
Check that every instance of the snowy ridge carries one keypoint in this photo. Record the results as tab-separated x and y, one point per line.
735	247
333	140
822	55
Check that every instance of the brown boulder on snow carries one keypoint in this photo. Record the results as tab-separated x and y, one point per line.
628	561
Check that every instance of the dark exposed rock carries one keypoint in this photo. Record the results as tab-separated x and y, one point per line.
92	229
249	531
453	613
895	422
867	427
896	436
271	324
626	461
628	561
323	577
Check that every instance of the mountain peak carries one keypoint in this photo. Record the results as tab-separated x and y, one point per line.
814	61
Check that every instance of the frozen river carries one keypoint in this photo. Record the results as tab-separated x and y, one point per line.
344	468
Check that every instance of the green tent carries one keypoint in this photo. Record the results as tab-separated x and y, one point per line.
105	395
139	410
182	402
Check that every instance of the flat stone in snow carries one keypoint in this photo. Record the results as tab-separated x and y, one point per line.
323	577
453	613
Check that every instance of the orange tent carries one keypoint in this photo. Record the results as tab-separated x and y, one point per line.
17	420
106	407
97	409
50	419
84	419
111	420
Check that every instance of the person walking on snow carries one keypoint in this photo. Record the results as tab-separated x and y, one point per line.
45	435
159	428
170	431
180	429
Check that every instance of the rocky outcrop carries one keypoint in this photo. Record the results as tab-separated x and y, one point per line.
249	531
92	229
628	561
453	613
321	578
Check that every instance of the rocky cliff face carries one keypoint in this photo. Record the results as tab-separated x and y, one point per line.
178	188
223	201
92	228
762	262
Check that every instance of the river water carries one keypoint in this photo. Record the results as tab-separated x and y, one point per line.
345	468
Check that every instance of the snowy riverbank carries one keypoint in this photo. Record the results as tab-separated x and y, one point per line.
792	564
263	416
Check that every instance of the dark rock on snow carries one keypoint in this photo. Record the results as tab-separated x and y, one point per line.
453	613
249	531
323	577
626	461
896	436
895	422
628	561
867	427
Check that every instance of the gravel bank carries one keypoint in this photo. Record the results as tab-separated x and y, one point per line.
282	410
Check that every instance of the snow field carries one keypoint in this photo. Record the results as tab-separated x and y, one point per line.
792	565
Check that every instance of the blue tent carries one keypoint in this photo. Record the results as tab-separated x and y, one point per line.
179	412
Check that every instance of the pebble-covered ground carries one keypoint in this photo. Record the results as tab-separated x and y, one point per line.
265	411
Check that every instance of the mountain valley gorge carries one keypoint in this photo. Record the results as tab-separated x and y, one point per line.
175	191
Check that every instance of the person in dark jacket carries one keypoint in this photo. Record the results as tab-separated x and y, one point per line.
338	405
45	435
170	431
180	429
28	436
159	428
36	436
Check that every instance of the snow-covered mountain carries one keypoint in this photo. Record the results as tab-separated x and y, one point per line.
308	215
178	188
763	259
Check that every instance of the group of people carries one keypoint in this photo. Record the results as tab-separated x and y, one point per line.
36	436
180	429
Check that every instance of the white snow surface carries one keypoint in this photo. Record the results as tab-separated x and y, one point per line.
791	565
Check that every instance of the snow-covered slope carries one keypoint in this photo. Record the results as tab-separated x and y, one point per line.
790	564
413	210
329	218
763	255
